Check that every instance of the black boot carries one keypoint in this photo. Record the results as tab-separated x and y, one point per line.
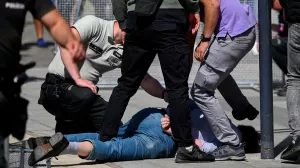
250	112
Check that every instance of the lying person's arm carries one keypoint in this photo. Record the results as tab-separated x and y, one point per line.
153	87
203	145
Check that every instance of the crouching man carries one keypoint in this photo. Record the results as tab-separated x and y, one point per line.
69	92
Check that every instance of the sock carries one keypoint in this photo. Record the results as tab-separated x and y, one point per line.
189	148
72	149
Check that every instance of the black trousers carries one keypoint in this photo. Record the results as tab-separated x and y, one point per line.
76	109
279	53
165	35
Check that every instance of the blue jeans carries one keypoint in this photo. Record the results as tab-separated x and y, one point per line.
139	138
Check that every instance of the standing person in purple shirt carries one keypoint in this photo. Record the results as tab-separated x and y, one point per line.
233	26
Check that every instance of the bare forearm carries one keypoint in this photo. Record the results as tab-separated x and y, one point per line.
70	64
211	17
152	86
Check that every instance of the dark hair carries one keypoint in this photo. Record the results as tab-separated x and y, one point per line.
251	138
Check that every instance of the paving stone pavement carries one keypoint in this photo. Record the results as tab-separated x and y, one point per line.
41	123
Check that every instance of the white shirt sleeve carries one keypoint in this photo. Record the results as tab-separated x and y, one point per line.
89	27
207	147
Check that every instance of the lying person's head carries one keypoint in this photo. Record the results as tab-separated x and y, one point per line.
251	138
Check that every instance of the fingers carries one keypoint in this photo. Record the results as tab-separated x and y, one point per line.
93	88
199	55
195	29
166	115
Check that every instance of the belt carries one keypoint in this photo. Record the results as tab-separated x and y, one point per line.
56	79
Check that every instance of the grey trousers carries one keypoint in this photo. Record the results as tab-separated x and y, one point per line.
222	57
293	82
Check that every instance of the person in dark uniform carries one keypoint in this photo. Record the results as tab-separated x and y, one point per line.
13	108
279	44
162	31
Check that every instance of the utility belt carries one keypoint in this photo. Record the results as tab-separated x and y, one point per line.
56	82
56	79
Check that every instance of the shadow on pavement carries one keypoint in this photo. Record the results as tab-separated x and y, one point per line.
282	145
79	164
27	46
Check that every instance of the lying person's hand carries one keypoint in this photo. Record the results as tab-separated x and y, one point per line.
198	143
86	83
165	124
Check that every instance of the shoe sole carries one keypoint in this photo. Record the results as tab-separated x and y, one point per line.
31	143
43	150
178	160
189	161
235	158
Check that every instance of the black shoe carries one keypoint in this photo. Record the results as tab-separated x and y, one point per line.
57	143
292	153
228	152
250	112
184	156
31	143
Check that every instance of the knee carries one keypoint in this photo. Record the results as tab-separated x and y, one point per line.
86	95
207	79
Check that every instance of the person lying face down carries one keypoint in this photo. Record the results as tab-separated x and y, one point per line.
147	135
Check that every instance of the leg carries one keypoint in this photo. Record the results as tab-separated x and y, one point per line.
203	94
137	58
39	29
279	53
148	141
3	133
85	110
233	96
3	162
176	63
293	85
241	108
79	105
212	73
82	137
140	138
293	92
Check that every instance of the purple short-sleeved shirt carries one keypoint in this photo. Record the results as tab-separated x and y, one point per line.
235	18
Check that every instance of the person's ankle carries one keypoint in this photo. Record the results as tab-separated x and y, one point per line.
85	148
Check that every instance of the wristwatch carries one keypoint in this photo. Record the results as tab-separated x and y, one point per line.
204	39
